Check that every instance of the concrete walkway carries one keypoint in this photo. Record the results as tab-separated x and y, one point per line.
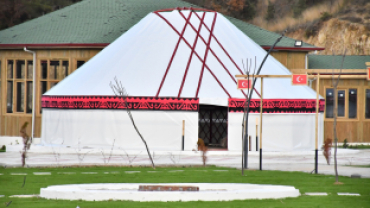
53	156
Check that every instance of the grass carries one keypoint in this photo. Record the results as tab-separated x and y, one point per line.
12	185
361	146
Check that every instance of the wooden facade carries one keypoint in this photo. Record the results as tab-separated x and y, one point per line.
62	62
353	129
56	61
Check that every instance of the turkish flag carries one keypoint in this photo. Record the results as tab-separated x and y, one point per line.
244	84
299	79
368	73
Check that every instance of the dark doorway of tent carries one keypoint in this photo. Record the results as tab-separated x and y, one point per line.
213	126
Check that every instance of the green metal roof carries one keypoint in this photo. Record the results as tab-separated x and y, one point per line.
97	21
334	62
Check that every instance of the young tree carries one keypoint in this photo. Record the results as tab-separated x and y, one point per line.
250	75
246	115
335	113
120	92
26	143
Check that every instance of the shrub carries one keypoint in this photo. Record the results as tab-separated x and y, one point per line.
326	16
299	8
345	143
270	11
3	148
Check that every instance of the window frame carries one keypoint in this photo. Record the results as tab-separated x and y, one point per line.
15	81
75	60
48	80
364	115
346	103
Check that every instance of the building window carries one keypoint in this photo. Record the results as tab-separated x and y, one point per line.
18	90
346	100
352	103
367	103
329	103
52	72
80	63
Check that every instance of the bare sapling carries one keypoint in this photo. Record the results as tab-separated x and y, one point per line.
247	71
173	158
80	154
57	153
130	159
246	115
107	159
202	147
335	113
26	143
120	92
328	144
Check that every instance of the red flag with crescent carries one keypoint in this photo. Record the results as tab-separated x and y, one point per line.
244	84
299	79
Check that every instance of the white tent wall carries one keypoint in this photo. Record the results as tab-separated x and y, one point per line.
280	132
162	130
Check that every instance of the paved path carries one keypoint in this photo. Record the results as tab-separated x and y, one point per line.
284	161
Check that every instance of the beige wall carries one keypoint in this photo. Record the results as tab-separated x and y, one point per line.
10	123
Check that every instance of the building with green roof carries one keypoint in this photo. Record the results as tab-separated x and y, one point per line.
335	62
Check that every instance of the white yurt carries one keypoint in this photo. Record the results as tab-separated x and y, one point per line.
178	65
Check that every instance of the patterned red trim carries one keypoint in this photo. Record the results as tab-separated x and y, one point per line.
113	102
277	105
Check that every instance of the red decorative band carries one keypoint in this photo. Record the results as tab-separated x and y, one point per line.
113	102
277	105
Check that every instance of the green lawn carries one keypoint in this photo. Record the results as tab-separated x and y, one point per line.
12	185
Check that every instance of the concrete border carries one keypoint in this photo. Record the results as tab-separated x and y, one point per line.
129	191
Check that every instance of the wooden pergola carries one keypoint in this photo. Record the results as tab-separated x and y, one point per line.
314	74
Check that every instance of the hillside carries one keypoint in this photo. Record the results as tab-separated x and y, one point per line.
333	24
342	24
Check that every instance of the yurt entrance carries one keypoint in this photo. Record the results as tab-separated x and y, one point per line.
213	126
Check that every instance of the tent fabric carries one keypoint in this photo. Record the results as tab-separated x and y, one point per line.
170	63
280	132
152	59
162	130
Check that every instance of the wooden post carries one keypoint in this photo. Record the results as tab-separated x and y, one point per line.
257	134
261	108
183	133
250	142
317	122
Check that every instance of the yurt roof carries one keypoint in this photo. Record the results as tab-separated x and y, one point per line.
163	55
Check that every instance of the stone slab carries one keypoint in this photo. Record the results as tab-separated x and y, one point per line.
24	196
41	173
18	173
131	172
316	193
66	173
348	194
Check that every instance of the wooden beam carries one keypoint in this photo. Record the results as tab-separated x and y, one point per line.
261	108
344	71
317	112
341	77
355	76
264	76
